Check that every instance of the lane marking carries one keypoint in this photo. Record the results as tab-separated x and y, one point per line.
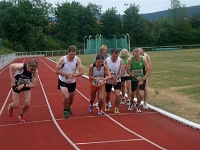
4	104
51	113
124	126
32	122
74	118
7	66
114	141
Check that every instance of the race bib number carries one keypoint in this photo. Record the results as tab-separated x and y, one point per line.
114	72
138	72
23	81
96	83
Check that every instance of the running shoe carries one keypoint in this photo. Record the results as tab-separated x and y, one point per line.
128	102
130	107
109	104
107	108
123	101
65	114
116	111
145	106
90	109
21	118
10	111
70	111
100	113
97	104
138	109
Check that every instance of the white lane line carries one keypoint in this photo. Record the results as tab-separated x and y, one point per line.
54	120
122	125
7	66
74	118
4	104
114	141
125	127
32	122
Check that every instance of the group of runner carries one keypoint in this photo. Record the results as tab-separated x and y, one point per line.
127	73
119	70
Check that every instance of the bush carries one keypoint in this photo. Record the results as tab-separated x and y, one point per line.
52	44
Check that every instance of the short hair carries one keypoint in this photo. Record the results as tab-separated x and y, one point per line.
141	51
124	52
72	48
33	63
114	50
99	56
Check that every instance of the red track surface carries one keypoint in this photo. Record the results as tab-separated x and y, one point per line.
45	128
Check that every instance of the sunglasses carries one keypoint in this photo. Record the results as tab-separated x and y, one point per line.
32	69
136	50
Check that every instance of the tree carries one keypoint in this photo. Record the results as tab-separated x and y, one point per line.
178	10
95	9
112	24
22	24
137	27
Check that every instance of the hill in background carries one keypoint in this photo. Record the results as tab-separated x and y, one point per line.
162	14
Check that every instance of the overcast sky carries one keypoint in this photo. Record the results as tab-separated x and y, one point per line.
145	6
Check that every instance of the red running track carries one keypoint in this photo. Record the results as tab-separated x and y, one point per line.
45	128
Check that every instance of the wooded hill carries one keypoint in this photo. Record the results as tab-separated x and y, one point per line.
162	14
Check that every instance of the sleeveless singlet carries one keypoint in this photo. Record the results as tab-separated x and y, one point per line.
23	76
97	73
68	67
137	67
114	68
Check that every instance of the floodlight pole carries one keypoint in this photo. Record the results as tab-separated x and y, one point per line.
89	42
84	43
96	42
126	5
116	40
129	46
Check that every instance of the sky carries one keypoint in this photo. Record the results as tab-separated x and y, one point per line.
145	6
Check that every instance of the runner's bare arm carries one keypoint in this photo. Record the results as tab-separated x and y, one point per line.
107	72
149	62
90	73
122	68
128	69
147	69
80	68
34	80
105	62
14	66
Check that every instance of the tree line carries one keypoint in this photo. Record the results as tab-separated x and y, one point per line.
26	25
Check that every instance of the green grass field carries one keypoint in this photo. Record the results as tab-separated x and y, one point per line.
5	50
174	83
